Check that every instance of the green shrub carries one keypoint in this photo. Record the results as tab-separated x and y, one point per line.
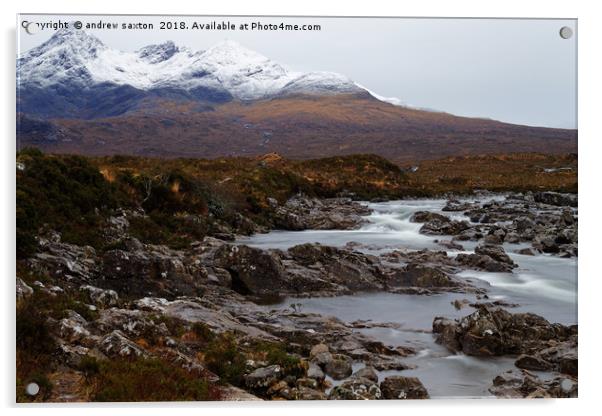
65	193
224	358
276	354
35	346
203	332
90	366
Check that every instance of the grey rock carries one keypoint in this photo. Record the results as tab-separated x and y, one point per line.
23	290
101	297
117	344
367	372
356	389
315	372
264	377
339	367
398	387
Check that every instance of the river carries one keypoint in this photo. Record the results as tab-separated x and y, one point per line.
542	284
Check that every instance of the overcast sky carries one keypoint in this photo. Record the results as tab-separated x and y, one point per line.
519	71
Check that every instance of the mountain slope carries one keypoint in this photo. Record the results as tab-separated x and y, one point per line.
77	95
297	127
63	76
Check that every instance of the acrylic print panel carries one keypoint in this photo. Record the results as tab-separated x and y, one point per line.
298	208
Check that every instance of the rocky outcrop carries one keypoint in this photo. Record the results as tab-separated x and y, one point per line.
357	388
338	366
437	224
67	261
555	198
493	331
454	205
117	344
560	357
350	270
488	257
400	388
263	378
302	270
417	275
253	271
518	384
152	269
144	300
100	297
303	213
546	219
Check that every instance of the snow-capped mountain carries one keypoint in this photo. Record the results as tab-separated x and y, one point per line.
77	95
74	59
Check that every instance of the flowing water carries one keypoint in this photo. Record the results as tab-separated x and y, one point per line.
542	284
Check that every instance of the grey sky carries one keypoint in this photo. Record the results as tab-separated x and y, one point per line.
519	71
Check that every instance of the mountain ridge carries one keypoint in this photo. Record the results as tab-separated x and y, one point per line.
76	95
73	60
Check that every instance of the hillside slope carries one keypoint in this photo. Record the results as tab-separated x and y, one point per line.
301	127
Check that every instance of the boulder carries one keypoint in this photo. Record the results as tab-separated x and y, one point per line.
280	389
447	333
157	270
427	216
561	357
512	238
526	251
488	257
100	297
306	393
453	205
399	387
263	377
339	367
546	243
73	328
356	389
437	224
521	383
303	213
367	372
219	277
65	261
556	198
318	349
333	268
308	382
450	245
253	271
522	224
315	372
132	322
496	252
533	363
493	331
117	344
418	275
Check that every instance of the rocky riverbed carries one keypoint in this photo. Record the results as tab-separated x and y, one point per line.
366	300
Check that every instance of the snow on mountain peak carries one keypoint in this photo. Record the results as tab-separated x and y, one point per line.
74	57
157	53
61	58
77	40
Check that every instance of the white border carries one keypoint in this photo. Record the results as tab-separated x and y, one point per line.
589	213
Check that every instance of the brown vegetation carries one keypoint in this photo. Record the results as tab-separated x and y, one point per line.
297	127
